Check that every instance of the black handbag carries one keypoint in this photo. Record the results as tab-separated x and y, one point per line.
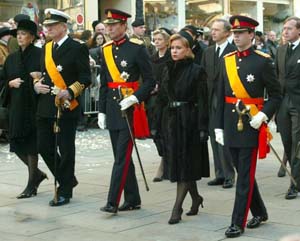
3	112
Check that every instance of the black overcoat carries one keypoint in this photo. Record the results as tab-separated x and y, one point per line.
184	81
21	101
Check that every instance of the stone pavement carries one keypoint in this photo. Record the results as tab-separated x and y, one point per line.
33	220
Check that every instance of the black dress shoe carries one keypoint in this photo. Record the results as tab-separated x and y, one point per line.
228	183
234	231
256	221
157	179
176	216
129	207
216	181
291	194
60	201
109	209
281	172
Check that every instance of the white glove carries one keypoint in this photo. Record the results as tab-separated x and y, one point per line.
219	133
102	121
128	101
258	119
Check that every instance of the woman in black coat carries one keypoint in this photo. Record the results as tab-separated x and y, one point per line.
183	96
19	69
159	60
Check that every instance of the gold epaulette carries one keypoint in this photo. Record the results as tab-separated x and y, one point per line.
136	41
262	53
229	54
107	43
77	88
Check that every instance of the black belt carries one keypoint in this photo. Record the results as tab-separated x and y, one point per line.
175	104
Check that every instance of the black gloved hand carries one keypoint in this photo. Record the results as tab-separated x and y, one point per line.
203	136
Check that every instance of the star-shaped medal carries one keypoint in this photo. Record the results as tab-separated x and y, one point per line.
59	68
124	63
250	78
124	75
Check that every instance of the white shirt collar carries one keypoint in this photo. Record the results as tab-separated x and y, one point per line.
296	43
222	47
60	42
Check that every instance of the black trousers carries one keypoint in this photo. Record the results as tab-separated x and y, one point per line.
123	173
247	195
288	121
65	165
224	168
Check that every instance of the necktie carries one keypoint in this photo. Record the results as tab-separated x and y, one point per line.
289	50
217	53
55	46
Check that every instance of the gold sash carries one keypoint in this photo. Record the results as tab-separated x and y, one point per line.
236	83
114	71
54	74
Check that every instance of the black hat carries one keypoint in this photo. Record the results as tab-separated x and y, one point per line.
115	16
138	22
20	17
242	23
26	25
95	23
187	36
168	31
4	31
191	28
55	16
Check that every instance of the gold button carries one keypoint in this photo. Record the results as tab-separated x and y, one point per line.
240	60
117	48
116	56
233	110
114	89
233	93
114	97
237	67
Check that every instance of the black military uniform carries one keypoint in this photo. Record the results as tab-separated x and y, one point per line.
72	62
131	60
254	73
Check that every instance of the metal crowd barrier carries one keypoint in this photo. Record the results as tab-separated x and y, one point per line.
91	94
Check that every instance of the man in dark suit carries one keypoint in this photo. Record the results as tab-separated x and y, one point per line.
65	65
288	117
124	61
245	74
212	58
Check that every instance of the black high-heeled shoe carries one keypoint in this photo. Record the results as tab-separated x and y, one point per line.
29	191
195	206
41	178
176	216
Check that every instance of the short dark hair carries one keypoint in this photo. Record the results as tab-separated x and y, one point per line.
294	18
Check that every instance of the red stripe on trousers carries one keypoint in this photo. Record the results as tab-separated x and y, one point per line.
125	171
251	184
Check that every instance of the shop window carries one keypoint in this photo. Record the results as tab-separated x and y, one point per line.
162	13
247	8
202	13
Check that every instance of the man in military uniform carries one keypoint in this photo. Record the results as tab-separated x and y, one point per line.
65	66
246	73
139	30
124	61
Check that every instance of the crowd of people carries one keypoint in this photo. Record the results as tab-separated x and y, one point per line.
174	87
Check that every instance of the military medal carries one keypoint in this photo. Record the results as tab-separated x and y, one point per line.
250	78
124	63
124	75
59	68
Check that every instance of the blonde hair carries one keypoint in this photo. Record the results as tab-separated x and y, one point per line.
185	42
165	35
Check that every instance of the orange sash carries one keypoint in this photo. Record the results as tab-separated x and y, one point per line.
54	74
241	93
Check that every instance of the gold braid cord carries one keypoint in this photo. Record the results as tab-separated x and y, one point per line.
77	88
